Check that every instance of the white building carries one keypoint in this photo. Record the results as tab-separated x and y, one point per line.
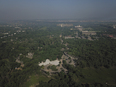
55	62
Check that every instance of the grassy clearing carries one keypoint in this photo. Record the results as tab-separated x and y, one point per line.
34	79
102	75
44	28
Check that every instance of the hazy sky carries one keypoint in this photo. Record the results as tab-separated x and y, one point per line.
57	9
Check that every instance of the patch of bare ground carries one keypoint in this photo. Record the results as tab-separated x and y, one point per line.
19	61
34	85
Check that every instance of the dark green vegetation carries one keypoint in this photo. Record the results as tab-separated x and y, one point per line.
95	67
96	53
86	77
53	67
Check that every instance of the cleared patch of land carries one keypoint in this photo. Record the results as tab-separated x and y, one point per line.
34	79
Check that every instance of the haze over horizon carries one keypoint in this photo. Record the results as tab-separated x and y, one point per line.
57	9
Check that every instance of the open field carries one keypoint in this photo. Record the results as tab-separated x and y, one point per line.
102	75
34	79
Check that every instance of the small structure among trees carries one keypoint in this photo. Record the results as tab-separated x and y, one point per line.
30	55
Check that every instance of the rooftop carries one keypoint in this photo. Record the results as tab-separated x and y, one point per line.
55	62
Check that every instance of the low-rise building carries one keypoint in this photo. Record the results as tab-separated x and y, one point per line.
79	27
55	62
88	32
65	25
69	37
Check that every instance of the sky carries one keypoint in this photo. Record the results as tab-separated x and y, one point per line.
57	9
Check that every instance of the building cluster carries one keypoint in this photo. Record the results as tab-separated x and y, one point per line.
85	32
79	28
65	25
110	35
88	33
84	35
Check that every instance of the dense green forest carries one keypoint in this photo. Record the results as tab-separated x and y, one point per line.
96	53
95	67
